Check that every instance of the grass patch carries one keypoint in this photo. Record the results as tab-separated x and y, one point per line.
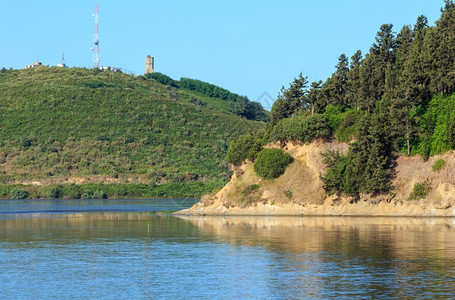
438	165
250	189
250	194
420	190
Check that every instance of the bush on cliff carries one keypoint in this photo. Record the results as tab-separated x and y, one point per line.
302	128
246	147
271	163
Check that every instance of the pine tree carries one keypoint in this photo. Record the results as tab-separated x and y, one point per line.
337	86
377	168
354	85
444	76
375	65
371	82
402	103
359	151
416	67
291	100
315	97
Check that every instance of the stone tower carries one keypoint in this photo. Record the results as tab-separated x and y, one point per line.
149	64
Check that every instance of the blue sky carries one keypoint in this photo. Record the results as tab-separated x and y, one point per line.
248	47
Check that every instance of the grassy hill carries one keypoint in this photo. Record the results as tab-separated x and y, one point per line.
82	125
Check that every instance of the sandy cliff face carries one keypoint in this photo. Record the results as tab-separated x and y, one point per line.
299	190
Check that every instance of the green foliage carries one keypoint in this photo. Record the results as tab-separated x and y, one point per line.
96	84
250	110
288	194
420	191
291	100
63	123
302	128
438	165
250	189
246	147
162	78
87	195
19	194
271	163
437	124
98	194
366	167
344	124
239	105
341	174
55	192
72	191
207	89
112	190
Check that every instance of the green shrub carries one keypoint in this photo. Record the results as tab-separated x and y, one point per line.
246	147
18	194
55	192
271	163
99	195
288	194
439	165
250	189
420	190
344	124
341	175
72	191
302	128
87	195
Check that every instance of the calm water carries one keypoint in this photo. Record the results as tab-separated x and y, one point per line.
122	250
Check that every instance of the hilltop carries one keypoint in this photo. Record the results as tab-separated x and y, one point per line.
80	125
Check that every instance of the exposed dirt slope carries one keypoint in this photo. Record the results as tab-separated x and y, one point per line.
299	190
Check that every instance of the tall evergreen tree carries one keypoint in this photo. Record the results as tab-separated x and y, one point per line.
371	82
337	86
377	63
402	126
291	100
385	43
354	85
444	76
315	97
416	67
377	169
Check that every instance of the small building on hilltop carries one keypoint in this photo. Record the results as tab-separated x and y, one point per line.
34	65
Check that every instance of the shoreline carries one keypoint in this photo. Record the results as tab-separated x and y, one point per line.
353	210
299	191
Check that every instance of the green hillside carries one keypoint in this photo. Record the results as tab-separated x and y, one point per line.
58	124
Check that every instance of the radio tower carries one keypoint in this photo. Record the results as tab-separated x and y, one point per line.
96	48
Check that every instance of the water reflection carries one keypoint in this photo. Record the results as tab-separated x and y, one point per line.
370	257
143	255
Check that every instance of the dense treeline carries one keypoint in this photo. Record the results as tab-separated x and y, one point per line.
239	105
395	99
193	189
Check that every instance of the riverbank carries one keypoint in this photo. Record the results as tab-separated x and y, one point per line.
299	191
106	190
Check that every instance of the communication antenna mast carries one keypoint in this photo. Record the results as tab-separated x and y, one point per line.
96	49
63	59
